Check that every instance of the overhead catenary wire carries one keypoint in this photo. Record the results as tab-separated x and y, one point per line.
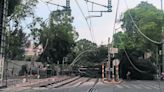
90	20
138	29
85	19
114	26
130	61
114	31
46	3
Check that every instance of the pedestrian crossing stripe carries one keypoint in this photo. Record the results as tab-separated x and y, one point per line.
141	86
154	87
138	87
119	86
146	87
126	86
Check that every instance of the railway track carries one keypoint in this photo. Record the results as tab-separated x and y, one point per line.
92	89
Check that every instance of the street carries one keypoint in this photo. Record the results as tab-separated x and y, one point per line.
85	85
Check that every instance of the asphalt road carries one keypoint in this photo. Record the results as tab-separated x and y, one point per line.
85	85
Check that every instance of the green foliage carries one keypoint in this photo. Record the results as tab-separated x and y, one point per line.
17	42
18	11
12	5
57	37
91	58
83	45
149	20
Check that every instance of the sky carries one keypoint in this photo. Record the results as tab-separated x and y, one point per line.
102	27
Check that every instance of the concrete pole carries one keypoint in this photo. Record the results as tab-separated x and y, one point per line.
106	71
3	18
109	78
157	61
117	71
162	55
58	68
103	72
162	40
113	69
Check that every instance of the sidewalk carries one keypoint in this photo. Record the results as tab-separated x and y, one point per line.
33	83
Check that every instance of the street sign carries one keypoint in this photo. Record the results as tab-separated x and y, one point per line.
116	62
113	50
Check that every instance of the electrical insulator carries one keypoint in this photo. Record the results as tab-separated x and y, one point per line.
109	5
67	4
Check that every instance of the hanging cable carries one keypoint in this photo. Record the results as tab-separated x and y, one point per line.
90	21
85	19
116	15
130	61
138	29
114	31
46	5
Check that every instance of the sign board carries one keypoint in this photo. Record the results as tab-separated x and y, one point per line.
116	62
113	50
106	69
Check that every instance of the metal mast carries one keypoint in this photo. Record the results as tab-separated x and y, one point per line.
3	18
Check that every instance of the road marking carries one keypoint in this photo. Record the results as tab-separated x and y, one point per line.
119	86
126	86
146	87
136	86
154	86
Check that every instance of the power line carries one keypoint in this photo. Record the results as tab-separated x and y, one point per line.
138	29
90	22
46	5
130	61
114	31
116	15
85	19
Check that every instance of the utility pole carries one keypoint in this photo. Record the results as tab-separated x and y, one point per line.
3	18
162	38
109	68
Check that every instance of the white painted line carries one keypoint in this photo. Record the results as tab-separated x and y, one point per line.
138	87
119	86
146	87
126	86
155	87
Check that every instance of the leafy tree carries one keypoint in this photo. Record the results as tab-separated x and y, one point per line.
19	11
12	5
17	43
149	20
57	37
83	45
96	56
102	53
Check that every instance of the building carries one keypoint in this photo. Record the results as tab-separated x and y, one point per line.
32	52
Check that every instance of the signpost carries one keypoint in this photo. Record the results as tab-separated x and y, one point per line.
116	64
